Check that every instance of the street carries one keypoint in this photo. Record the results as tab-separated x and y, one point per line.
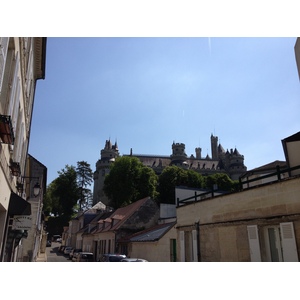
54	256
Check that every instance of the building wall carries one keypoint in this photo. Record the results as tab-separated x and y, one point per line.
105	242
224	220
159	251
22	62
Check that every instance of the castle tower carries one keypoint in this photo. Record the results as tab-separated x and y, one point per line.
235	165
108	156
198	152
179	157
214	147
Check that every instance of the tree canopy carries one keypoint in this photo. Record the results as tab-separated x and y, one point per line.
84	180
128	181
173	176
64	194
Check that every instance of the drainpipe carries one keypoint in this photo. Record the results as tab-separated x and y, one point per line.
198	241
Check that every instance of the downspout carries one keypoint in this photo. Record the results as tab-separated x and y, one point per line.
198	241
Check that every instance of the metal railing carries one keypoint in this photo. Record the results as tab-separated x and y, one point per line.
213	192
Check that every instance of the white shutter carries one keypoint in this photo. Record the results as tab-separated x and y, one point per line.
254	243
182	249
14	86
3	53
195	247
289	247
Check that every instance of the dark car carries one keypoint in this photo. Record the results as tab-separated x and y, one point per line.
48	244
85	257
61	248
112	257
74	253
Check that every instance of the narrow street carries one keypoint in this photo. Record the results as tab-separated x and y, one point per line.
54	256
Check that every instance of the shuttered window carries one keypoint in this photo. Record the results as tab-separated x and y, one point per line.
3	53
182	248
254	243
195	247
289	247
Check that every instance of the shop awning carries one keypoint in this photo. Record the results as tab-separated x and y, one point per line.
18	206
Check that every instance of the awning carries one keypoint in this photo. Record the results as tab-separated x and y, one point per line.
18	206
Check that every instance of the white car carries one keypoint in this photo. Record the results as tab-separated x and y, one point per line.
134	260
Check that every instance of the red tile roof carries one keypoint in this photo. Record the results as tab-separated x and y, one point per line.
118	217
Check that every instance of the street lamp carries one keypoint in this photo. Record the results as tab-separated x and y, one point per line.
36	188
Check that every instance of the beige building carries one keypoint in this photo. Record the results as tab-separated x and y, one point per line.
259	223
34	244
157	244
22	63
110	232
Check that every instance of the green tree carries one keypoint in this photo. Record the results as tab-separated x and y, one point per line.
61	199
171	177
128	181
84	180
221	180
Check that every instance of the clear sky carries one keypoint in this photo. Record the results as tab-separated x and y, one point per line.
146	93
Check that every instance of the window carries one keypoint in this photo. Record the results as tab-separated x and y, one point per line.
275	243
173	253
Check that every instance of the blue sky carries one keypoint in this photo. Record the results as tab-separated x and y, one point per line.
148	92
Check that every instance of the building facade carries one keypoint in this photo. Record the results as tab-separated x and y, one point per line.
221	161
22	63
36	175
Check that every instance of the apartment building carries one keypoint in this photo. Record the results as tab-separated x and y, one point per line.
22	63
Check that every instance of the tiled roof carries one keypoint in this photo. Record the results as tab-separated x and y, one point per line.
270	167
152	234
118	217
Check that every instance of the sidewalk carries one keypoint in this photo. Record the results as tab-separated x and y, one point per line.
42	257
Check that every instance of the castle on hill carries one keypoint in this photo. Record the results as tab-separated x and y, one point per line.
221	161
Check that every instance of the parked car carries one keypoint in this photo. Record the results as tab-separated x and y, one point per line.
112	257
56	238
48	244
68	250
134	260
74	252
61	248
85	257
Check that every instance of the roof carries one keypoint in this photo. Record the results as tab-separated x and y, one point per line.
119	216
270	167
152	234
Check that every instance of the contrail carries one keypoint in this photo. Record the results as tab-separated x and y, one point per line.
209	45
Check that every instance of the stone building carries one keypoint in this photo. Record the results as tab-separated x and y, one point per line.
22	63
221	161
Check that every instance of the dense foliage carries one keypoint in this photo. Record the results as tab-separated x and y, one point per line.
128	181
84	180
65	194
173	176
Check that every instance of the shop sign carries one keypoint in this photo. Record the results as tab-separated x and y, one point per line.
22	222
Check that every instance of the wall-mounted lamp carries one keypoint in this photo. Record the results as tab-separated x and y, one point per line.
36	188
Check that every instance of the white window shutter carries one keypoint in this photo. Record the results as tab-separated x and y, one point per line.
254	243
195	247
14	85
3	53
182	248
289	247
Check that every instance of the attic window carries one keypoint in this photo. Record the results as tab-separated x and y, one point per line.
6	130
